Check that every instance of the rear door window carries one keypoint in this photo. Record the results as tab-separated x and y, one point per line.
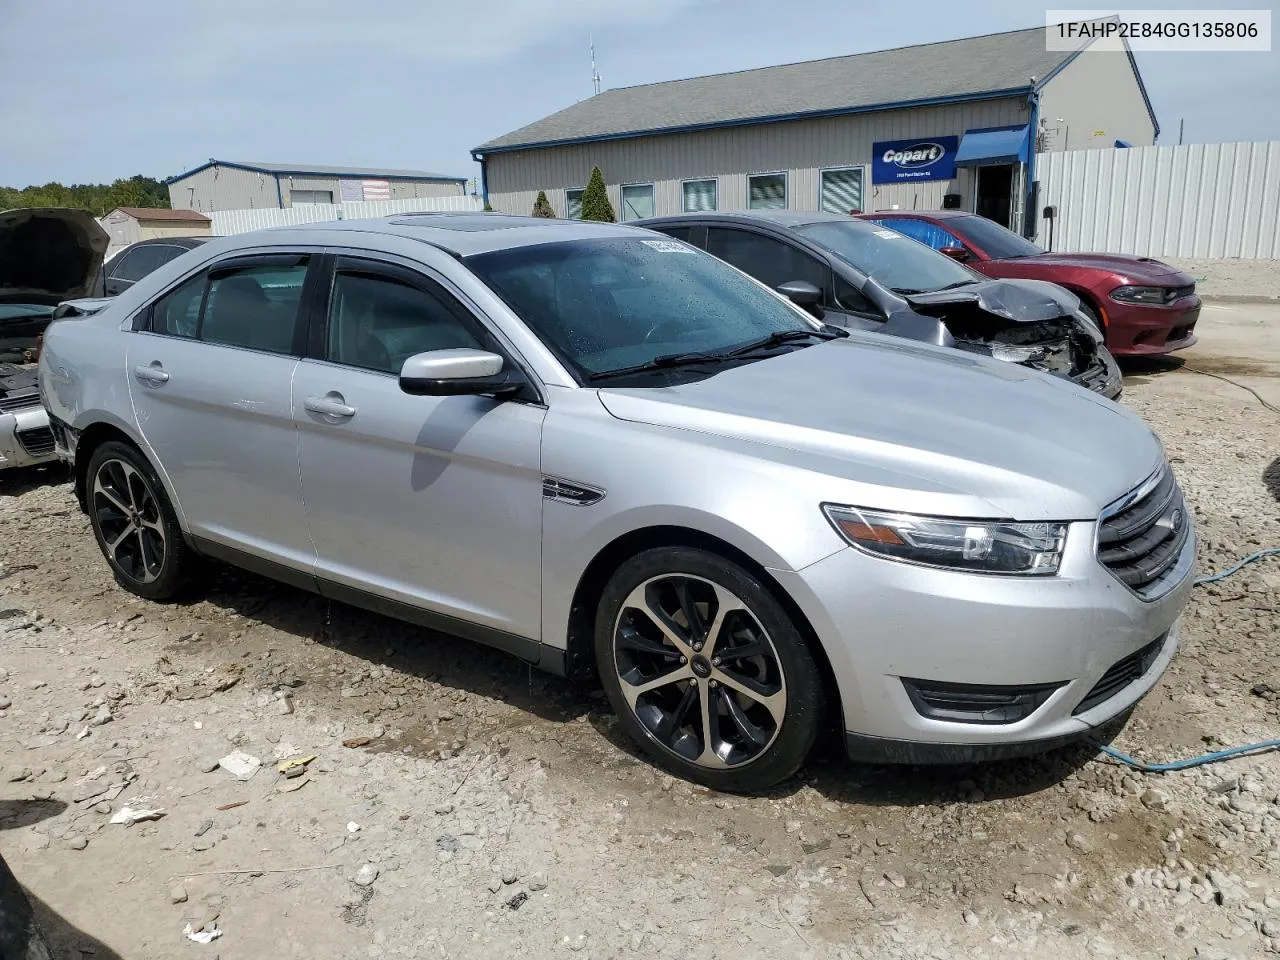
138	262
253	306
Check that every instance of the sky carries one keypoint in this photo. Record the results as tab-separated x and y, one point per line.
94	91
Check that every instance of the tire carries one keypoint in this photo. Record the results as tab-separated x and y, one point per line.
134	523
760	693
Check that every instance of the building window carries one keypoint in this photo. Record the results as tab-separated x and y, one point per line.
767	191
842	190
573	204
637	201
698	195
310	196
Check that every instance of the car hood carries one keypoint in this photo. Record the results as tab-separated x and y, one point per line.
965	432
49	254
1136	268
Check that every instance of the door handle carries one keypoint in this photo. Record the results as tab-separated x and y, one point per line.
154	374
330	405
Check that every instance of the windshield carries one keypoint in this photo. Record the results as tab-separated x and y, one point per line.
999	243
892	260
609	304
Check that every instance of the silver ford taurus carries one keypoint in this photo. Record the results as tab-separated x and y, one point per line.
601	449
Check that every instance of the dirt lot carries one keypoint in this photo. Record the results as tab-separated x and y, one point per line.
497	812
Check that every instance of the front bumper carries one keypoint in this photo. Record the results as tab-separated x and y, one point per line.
1136	330
25	438
1103	377
882	621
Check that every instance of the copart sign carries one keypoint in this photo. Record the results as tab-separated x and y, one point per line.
902	161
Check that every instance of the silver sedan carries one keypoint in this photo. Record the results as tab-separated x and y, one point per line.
603	450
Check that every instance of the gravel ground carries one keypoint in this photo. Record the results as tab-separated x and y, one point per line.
462	806
1256	279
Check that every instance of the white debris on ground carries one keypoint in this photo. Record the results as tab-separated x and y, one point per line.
458	804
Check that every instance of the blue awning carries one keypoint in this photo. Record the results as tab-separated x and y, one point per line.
995	145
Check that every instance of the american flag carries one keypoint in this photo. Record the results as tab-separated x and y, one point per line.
376	190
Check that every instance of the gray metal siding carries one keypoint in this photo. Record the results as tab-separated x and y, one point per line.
1098	91
801	148
224	188
230	188
1197	200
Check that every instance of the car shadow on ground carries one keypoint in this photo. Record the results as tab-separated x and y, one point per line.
832	774
460	664
16	482
1271	478
1139	370
416	651
29	928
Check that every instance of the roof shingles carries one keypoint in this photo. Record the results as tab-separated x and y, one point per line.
957	69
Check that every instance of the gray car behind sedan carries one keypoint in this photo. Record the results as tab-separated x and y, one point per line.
603	450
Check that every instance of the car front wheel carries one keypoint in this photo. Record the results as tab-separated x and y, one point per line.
134	524
706	669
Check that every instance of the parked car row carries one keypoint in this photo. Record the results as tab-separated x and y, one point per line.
863	276
608	452
1143	306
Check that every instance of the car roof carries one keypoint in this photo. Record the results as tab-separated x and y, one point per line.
777	218
464	234
172	241
930	214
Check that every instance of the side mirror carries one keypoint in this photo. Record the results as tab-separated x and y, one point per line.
457	372
801	292
959	254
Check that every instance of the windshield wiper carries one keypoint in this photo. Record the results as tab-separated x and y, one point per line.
669	361
911	292
666	361
787	336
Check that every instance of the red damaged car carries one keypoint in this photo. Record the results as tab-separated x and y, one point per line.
1142	305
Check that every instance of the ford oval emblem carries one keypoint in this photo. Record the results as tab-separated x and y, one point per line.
915	156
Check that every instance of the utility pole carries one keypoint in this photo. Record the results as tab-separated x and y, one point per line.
1181	125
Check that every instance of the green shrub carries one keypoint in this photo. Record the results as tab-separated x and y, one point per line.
595	200
542	206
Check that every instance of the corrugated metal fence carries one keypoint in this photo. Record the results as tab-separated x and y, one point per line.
226	222
1195	200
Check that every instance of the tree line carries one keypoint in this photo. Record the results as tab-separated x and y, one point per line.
98	198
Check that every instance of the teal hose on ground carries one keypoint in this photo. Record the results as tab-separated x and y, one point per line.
1214	578
1205	758
1261	746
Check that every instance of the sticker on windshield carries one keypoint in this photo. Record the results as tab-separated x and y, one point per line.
888	234
667	246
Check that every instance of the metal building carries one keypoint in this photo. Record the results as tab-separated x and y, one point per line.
953	124
233	185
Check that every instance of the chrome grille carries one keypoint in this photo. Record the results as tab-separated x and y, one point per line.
12	404
1141	536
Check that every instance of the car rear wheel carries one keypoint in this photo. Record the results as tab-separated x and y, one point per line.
707	670
134	523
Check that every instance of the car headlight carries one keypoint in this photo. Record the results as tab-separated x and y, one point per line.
978	546
1139	294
